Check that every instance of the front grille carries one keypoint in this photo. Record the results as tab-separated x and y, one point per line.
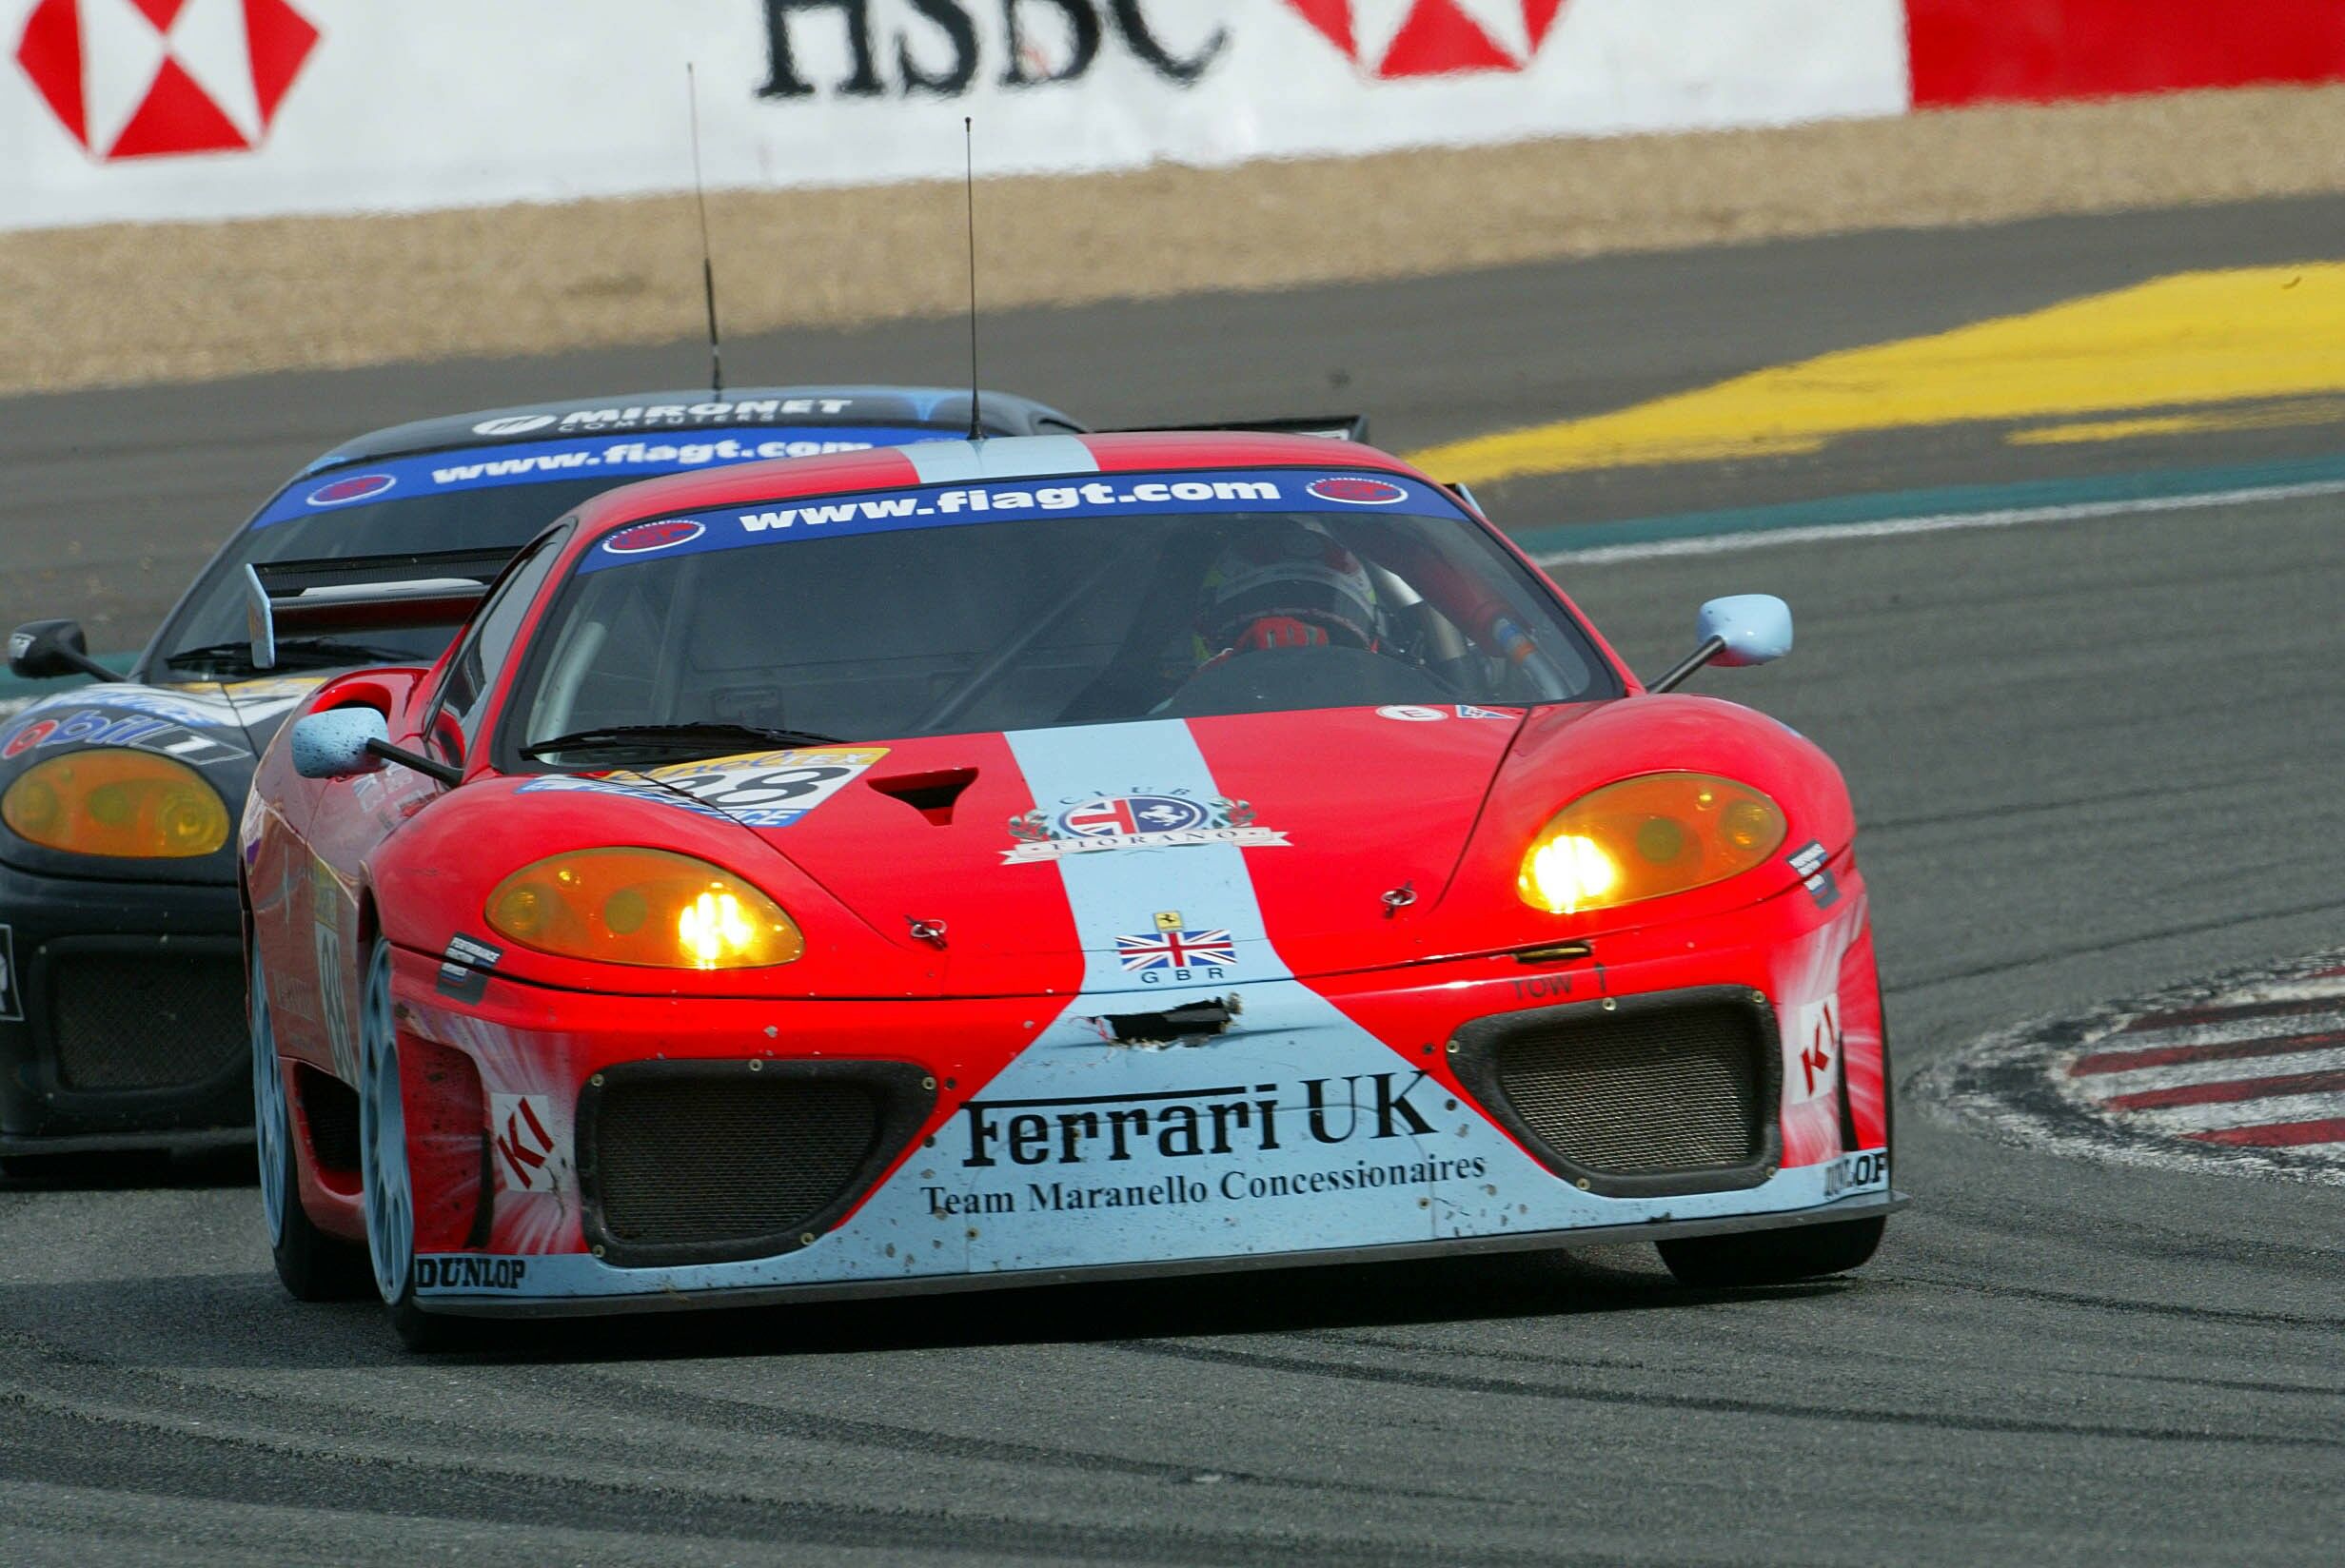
1660	1087
145	1019
712	1161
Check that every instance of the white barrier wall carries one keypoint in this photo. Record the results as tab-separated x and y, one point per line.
146	109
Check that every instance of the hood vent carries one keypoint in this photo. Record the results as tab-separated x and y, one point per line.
930	794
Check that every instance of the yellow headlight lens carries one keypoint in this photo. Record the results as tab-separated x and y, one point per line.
648	907
1644	837
116	801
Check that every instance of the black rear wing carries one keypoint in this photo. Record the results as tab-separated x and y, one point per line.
364	594
1343	427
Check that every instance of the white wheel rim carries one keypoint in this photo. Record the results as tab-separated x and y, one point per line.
272	1125
382	1138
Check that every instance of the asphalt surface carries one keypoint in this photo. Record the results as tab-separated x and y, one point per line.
2091	758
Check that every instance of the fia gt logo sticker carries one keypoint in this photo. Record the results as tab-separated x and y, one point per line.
647	537
1358	491
342	491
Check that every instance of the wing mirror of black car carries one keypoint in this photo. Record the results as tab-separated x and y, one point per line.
345	743
1738	630
44	650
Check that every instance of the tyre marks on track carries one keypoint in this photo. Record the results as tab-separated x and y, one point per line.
2244	1073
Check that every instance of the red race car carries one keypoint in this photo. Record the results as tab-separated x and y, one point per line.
1038	860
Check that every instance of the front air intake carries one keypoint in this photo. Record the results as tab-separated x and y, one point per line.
139	1015
712	1161
1649	1096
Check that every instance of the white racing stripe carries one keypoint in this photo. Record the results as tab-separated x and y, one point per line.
1940	522
2108	1085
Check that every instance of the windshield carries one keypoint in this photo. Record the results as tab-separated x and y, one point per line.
944	609
473	499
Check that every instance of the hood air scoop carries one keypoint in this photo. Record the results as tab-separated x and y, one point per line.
930	793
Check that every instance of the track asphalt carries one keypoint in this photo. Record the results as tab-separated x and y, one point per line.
2093	755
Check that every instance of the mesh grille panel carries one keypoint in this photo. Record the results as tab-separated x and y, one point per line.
1642	1094
154	1020
331	1108
686	1162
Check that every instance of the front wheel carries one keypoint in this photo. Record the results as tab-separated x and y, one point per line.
387	1191
313	1265
1773	1257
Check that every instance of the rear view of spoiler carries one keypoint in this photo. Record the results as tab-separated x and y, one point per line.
364	594
1345	428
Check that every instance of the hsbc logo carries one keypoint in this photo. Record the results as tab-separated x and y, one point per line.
165	78
1395	39
945	47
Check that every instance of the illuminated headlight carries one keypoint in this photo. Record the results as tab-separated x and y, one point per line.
113	801
645	907
1645	837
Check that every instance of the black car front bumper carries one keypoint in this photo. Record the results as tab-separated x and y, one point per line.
122	1016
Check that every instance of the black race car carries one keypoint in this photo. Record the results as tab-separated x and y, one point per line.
122	985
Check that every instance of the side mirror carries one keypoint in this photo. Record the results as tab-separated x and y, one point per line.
335	744
44	650
1737	631
1750	628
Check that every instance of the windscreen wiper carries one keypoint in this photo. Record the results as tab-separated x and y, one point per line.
675	740
314	653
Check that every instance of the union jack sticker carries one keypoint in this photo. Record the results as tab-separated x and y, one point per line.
1176	949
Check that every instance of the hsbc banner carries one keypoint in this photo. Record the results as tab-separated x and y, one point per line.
167	110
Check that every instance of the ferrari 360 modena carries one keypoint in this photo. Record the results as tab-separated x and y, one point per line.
1042	859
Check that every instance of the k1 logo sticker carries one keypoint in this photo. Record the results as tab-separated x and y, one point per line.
1814	1046
528	1157
11	997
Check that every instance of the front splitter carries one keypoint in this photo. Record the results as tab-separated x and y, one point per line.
1862	1208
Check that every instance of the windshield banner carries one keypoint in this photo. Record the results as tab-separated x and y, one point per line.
1289	490
618	458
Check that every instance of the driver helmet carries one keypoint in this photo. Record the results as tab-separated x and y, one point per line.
1285	583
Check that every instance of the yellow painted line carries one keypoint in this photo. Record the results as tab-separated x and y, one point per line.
2193	338
2272	417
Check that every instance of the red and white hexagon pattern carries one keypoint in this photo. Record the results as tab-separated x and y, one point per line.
156	78
1402	38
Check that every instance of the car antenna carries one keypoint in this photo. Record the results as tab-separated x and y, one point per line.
708	266
969	203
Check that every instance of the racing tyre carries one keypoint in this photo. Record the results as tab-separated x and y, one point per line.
313	1265
388	1194
1772	1256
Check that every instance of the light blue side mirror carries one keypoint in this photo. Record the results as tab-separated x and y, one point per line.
334	744
1737	630
1755	628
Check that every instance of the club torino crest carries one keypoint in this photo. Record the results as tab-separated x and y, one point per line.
1101	823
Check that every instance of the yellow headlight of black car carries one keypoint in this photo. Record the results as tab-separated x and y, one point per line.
1645	837
646	907
113	801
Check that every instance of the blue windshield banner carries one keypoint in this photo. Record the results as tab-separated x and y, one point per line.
618	458
1289	490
